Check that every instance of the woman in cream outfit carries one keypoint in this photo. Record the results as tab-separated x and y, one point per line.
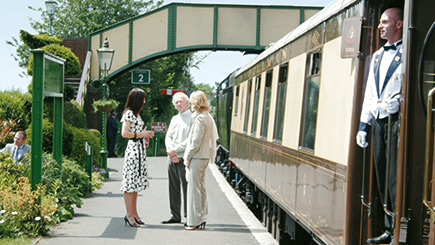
200	150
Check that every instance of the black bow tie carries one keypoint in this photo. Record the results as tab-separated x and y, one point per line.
392	47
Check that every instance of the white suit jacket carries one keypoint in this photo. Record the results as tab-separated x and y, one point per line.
374	95
202	138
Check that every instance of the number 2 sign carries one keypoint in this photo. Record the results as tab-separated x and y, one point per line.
140	76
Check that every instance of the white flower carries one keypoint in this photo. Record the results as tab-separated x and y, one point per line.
14	213
2	221
46	217
3	211
38	218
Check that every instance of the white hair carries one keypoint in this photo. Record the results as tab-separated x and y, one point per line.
180	95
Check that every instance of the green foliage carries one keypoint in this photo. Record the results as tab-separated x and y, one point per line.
16	241
73	114
7	131
68	92
38	41
105	105
97	181
72	63
17	106
79	18
24	212
78	150
73	141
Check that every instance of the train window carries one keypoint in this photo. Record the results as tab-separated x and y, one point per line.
280	102
236	106
266	104
248	105
256	100
311	97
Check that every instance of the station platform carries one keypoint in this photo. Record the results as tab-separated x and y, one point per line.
101	218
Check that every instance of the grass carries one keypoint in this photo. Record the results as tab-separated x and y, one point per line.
16	241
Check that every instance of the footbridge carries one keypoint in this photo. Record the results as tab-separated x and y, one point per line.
181	27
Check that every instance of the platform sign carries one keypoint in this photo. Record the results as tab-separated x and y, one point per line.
140	76
47	81
158	126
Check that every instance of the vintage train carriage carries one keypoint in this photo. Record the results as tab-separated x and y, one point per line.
294	117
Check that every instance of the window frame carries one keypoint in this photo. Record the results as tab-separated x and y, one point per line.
281	87
267	97
312	70
256	104
248	106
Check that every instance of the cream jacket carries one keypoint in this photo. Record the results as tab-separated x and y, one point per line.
202	138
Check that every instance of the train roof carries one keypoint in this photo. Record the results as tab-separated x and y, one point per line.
330	10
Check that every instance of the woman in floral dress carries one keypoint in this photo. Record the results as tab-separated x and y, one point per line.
134	174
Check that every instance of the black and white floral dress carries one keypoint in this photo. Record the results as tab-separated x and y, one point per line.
135	172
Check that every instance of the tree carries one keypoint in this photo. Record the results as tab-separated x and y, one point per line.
79	18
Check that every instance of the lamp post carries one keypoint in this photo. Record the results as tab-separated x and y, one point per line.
105	57
51	10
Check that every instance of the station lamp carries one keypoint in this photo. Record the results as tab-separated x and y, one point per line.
105	57
51	10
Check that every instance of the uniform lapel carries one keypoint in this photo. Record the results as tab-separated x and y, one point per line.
377	63
393	66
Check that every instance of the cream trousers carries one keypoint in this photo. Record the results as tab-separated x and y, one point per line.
197	208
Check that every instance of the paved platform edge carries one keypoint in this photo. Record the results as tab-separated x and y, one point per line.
257	229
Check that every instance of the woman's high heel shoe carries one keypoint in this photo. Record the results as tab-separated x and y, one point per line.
192	228
138	221
126	221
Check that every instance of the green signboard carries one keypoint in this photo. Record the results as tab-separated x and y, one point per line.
140	77
47	80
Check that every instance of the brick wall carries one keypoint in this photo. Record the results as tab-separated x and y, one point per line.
79	46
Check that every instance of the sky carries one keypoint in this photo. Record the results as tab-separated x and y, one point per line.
214	68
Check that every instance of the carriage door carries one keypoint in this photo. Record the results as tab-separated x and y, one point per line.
427	96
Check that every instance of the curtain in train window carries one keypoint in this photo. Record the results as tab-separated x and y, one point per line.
256	100
280	102
311	97
236	106
266	104
248	105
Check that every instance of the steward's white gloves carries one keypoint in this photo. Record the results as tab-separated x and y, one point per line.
393	106
361	139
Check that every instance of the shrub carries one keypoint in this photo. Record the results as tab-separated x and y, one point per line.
25	212
29	213
38	41
80	136
17	106
68	92
74	115
47	137
73	141
72	63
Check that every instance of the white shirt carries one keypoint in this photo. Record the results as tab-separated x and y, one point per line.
178	132
387	57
